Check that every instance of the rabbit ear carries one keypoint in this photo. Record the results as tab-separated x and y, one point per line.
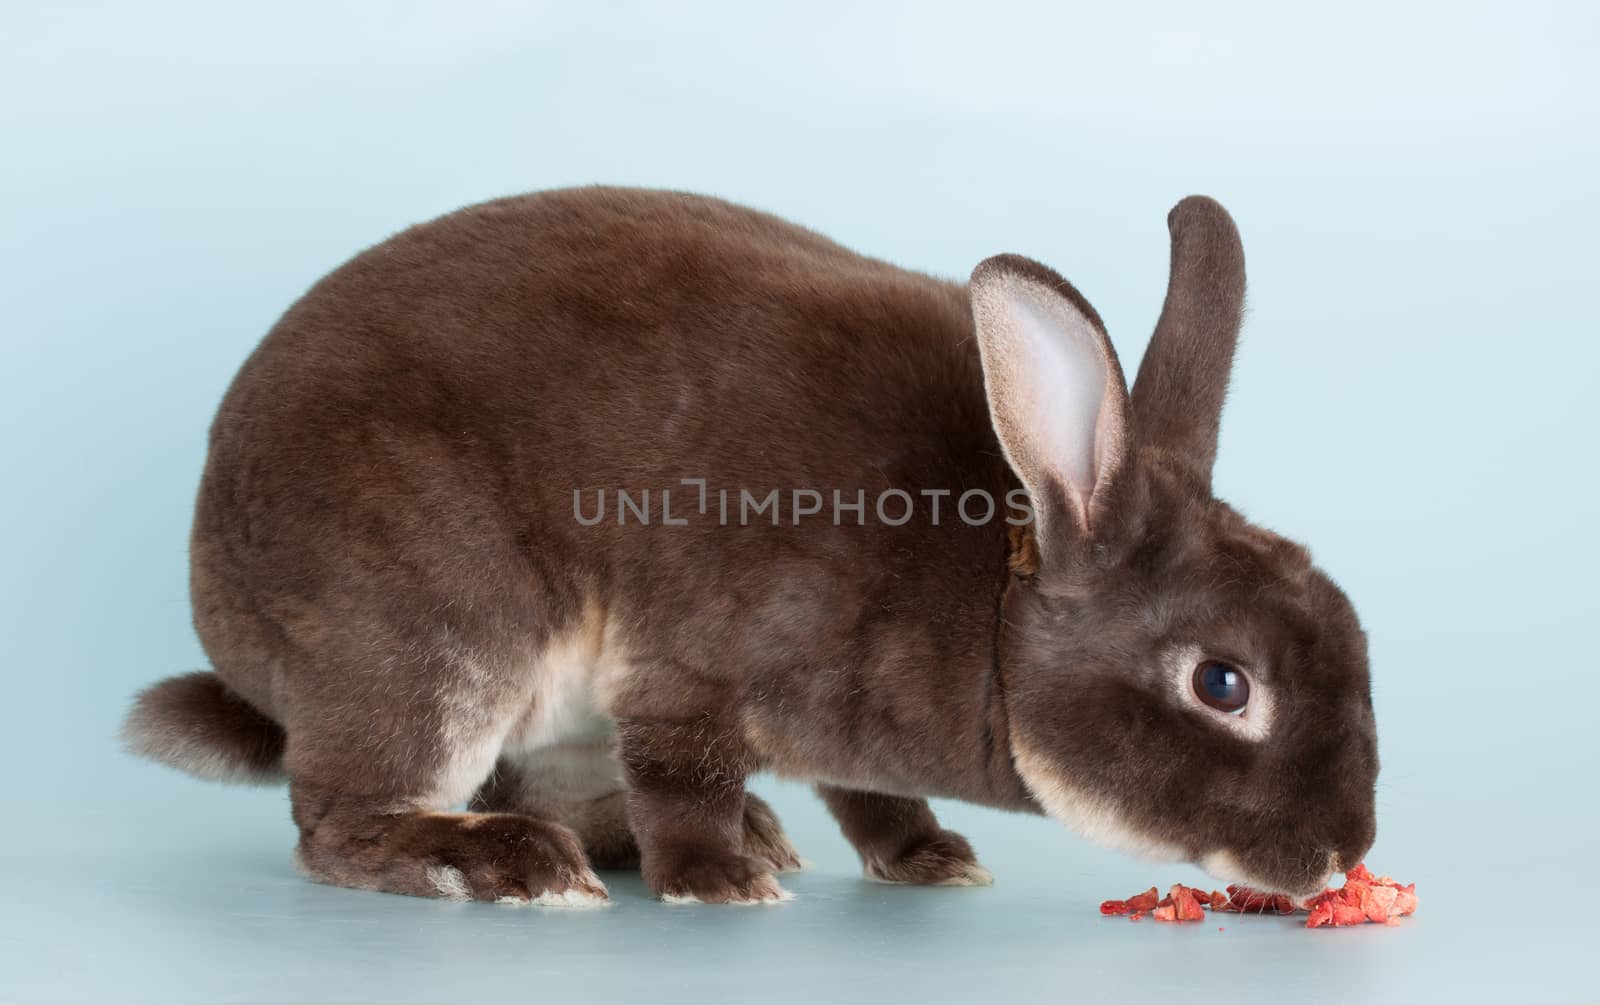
1183	378
1055	388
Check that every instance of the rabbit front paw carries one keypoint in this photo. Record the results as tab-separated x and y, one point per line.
711	878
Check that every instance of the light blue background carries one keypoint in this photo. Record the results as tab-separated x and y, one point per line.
1415	396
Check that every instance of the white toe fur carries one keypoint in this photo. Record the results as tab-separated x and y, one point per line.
581	899
972	875
449	882
783	896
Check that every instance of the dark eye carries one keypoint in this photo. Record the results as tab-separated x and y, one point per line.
1221	686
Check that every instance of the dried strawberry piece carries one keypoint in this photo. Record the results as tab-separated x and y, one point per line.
1138	902
1348	914
1203	896
1405	901
1378	902
1364	898
1321	914
1244	900
1186	904
1182	903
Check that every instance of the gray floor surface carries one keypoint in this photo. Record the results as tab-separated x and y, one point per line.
173	891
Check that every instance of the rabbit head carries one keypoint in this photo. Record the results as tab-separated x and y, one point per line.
1178	681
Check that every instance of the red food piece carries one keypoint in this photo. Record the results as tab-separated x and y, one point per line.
1405	901
1364	899
1203	896
1182	903
1138	902
1321	914
1187	904
1333	911
1378	902
1243	900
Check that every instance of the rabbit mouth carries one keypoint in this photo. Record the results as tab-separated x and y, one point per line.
1226	867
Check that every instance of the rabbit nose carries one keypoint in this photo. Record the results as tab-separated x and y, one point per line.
1350	856
1352	843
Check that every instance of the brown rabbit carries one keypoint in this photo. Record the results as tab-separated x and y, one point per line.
581	507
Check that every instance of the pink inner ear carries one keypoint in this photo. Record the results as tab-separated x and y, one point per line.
1058	382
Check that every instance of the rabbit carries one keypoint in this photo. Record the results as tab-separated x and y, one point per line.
527	536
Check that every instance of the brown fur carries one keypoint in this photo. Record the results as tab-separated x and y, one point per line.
384	546
479	856
601	824
194	720
900	841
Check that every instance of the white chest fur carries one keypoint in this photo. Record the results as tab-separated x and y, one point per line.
566	707
564	742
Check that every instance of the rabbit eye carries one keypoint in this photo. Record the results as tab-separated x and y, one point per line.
1223	687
